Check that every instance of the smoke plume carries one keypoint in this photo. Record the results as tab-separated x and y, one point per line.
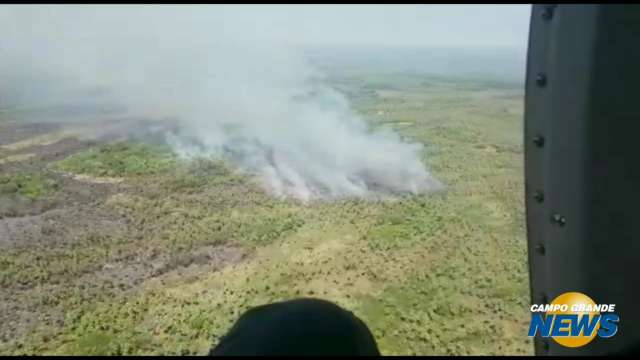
227	89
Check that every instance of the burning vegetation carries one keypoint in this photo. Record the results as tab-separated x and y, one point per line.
153	190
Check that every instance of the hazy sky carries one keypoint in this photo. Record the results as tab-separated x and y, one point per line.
467	25
440	25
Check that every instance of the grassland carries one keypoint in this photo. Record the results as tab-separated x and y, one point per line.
441	273
28	185
119	159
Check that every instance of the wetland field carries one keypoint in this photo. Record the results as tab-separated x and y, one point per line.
116	245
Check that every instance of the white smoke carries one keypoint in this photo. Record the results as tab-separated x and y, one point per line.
232	92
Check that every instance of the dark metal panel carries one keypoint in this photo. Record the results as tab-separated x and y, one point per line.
582	118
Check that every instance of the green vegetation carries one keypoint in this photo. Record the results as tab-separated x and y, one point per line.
30	185
432	274
120	159
13	158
